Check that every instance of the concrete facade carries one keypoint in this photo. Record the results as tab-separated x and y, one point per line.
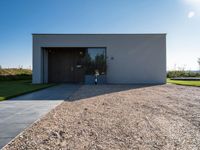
131	58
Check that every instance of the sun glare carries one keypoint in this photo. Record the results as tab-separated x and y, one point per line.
195	6
191	14
193	2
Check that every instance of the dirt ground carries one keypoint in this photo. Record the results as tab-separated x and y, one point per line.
119	117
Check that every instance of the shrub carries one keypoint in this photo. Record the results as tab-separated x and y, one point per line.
15	74
172	74
15	77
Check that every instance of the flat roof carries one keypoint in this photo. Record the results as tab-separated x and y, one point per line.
99	33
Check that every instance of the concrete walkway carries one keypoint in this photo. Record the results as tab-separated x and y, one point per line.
20	112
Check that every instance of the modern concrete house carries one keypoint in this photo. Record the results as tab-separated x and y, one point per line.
114	58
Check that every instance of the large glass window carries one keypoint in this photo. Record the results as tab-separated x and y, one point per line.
95	61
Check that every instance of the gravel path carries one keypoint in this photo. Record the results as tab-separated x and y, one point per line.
119	117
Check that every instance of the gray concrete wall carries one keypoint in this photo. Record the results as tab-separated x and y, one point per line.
137	58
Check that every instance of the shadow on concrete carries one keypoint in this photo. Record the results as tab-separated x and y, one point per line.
59	92
65	91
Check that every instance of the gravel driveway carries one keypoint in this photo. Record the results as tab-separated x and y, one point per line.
119	117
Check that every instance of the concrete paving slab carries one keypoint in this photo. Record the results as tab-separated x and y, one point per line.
4	141
64	91
18	113
11	130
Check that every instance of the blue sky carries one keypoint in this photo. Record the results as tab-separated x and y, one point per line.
180	19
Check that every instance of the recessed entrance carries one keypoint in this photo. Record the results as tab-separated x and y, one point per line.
75	65
66	65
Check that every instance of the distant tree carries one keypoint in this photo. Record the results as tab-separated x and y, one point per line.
0	67
20	67
199	63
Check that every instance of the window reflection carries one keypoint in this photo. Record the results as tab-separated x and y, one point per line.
95	61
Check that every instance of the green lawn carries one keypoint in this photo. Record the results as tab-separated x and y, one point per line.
181	82
9	89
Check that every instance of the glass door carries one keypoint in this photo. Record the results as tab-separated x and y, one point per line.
95	65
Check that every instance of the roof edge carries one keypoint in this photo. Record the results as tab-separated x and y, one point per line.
99	33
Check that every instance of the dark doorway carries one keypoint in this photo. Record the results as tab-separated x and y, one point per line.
66	65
